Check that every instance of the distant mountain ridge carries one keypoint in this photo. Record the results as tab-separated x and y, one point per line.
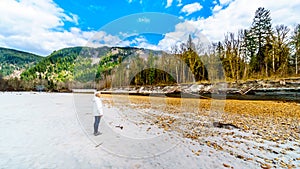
13	61
81	63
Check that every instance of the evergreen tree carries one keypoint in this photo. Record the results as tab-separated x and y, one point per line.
260	31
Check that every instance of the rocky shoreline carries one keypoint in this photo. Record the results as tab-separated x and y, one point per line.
259	134
285	90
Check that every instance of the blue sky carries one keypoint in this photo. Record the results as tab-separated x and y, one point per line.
96	13
41	26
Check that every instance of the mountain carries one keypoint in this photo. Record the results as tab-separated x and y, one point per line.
68	66
81	64
13	61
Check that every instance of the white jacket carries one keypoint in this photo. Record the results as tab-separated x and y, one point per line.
97	106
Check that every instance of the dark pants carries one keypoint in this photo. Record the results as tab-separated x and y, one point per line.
96	123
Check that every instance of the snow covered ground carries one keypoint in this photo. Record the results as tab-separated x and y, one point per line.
55	130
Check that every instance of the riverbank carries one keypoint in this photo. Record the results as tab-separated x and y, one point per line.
284	89
264	133
281	90
54	130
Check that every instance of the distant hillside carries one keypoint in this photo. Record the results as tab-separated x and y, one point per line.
80	63
13	61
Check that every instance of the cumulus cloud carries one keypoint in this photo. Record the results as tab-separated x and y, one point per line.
102	38
239	15
142	42
37	26
217	8
179	3
225	2
139	42
74	19
169	3
180	35
191	8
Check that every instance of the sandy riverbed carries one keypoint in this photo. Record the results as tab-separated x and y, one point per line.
52	130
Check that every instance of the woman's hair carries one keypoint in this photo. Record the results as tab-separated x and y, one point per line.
98	94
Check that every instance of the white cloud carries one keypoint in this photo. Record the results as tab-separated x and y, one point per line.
129	1
37	26
225	2
139	42
179	3
239	15
74	19
191	8
169	3
180	35
217	8
101	38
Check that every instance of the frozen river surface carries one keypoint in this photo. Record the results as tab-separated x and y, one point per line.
54	130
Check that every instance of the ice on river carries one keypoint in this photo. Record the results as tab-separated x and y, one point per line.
54	130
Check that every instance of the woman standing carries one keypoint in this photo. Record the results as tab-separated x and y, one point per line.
98	112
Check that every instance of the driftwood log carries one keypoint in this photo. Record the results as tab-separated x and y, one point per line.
224	125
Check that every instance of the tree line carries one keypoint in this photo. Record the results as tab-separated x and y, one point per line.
262	51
